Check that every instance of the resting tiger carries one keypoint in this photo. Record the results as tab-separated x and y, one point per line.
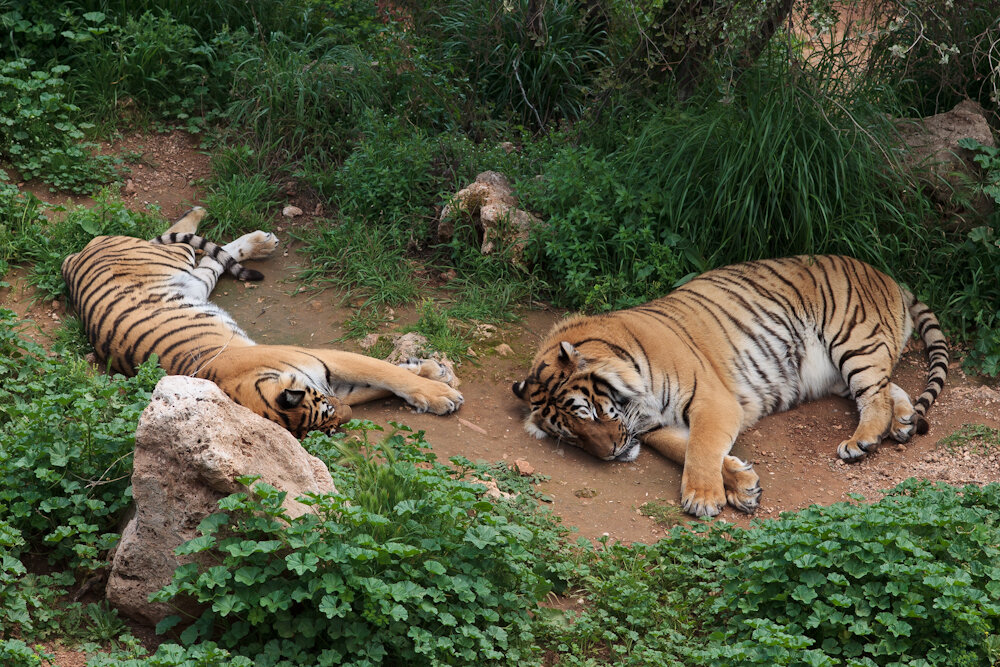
688	372
137	298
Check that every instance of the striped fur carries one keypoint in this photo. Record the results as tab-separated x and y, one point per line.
140	298
688	372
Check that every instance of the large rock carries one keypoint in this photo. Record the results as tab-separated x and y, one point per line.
191	444
933	142
491	205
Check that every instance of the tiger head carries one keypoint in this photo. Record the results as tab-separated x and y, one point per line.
589	403
285	399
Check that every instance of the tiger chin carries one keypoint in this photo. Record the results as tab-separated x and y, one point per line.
138	298
687	373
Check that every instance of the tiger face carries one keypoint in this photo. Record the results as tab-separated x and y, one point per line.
584	406
286	399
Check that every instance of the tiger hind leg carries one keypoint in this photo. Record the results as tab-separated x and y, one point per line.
255	245
188	223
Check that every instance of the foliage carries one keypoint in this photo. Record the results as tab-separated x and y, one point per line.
974	304
66	440
16	652
239	204
41	132
987	157
771	173
540	69
642	604
404	565
980	436
910	578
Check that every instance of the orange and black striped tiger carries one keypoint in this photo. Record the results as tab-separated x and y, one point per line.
688	372
137	298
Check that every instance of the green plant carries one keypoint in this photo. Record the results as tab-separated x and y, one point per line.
538	68
979	436
987	157
41	132
239	204
66	439
663	513
776	170
404	565
910	578
361	260
16	652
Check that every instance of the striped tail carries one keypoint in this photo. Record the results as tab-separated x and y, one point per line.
215	251
926	325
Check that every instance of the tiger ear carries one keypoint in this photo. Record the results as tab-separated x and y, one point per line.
291	398
518	388
569	354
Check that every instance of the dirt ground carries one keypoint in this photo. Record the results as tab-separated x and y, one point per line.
794	452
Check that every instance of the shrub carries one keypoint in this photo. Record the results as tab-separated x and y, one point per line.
41	132
771	172
538	74
405	565
66	440
912	579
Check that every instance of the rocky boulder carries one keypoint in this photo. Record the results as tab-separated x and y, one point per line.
492	207
933	142
191	444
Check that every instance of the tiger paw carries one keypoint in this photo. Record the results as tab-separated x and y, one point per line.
742	484
704	501
903	427
255	245
854	450
432	370
439	399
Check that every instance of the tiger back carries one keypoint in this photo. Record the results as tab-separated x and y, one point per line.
688	372
140	298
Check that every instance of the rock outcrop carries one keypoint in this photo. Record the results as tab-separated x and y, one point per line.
191	444
491	205
933	142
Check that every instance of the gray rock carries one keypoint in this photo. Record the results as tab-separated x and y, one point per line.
191	444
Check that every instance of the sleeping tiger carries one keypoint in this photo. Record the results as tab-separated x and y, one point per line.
688	372
137	298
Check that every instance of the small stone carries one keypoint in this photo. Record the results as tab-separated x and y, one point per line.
369	341
291	211
504	350
523	467
130	187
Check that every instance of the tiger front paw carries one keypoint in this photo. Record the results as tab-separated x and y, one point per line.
742	484
440	399
256	245
702	500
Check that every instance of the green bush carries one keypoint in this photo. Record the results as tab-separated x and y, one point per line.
66	440
538	76
41	132
404	565
912	579
769	173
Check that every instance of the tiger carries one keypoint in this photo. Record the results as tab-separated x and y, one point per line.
688	372
137	298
